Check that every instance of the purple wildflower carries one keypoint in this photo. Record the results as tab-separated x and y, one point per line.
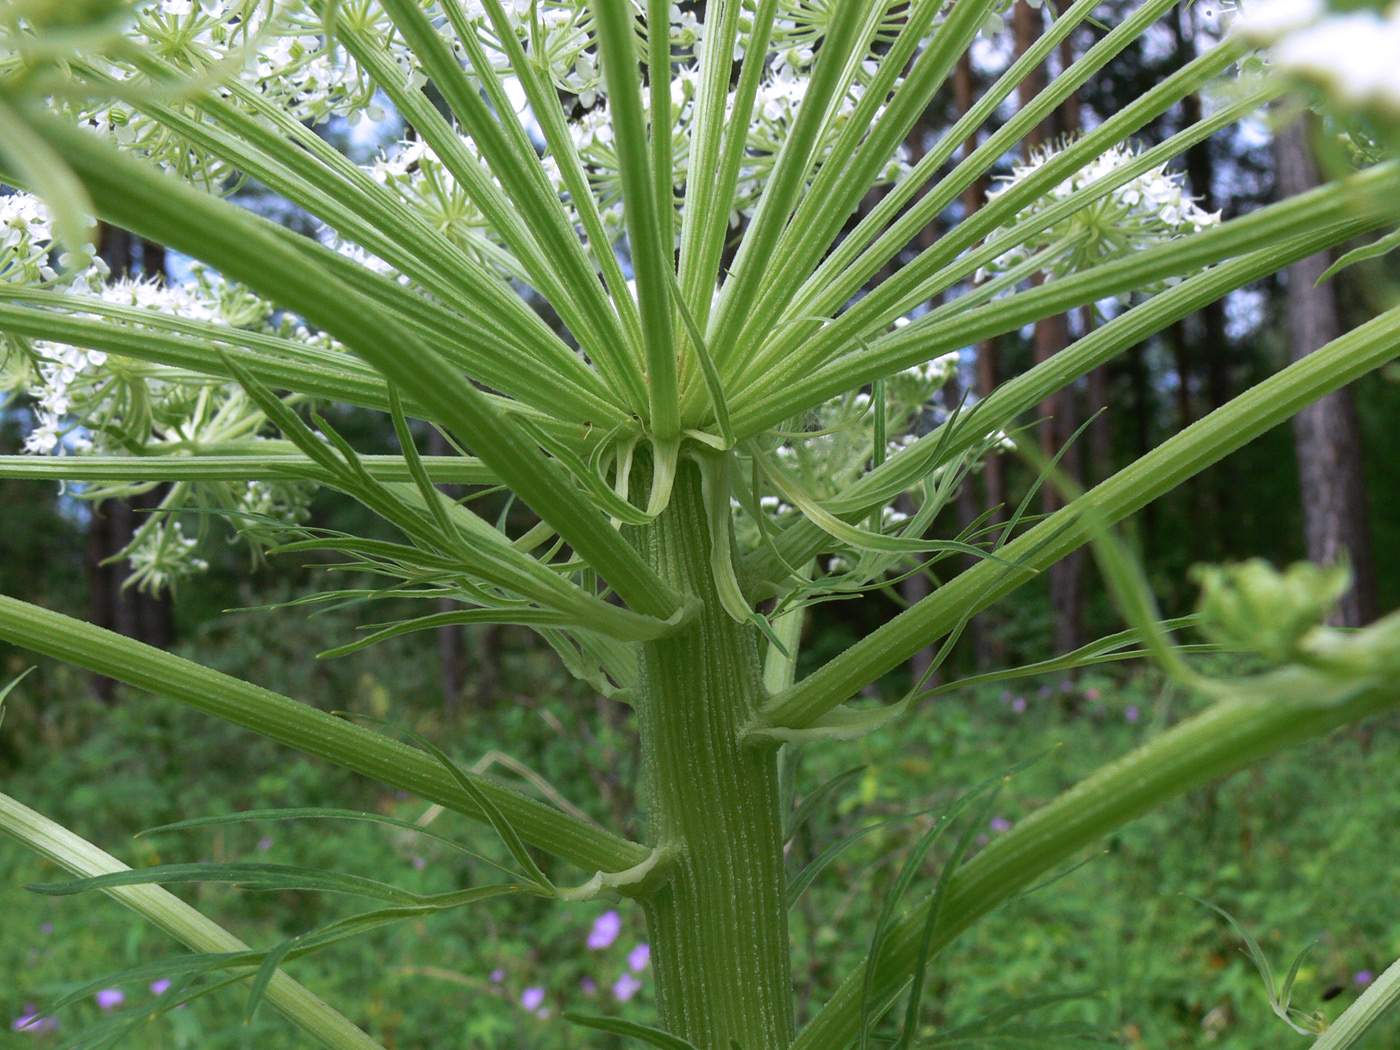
626	987
419	863
497	976
1000	824
1091	694
1066	686
1006	696
46	928
606	927
1132	714
638	957
110	998
264	843
1363	977
588	986
31	1022
1019	705
532	999
160	987
1045	692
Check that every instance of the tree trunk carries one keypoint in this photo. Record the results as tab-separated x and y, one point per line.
1327	435
985	640
137	614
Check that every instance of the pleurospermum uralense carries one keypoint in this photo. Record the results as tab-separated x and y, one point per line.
735	391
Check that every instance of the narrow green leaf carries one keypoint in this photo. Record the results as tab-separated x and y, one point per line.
908	871
921	961
502	826
6	690
804	878
258	988
617	1026
318	813
713	384
816	798
651	257
1104	650
857	538
498	615
1374	250
243	875
432	498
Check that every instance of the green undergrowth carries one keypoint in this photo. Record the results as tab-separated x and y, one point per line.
1296	849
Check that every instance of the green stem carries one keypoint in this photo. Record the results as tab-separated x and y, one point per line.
719	927
1198	446
307	729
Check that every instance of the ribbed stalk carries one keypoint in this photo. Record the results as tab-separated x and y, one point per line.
718	930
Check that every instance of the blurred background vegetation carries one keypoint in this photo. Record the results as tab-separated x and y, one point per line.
1301	849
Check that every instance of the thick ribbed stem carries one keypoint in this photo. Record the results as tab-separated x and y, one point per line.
719	928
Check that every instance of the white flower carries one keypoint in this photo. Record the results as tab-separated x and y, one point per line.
1355	55
1148	208
1264	21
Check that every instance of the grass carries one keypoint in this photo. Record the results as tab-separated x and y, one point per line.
1300	849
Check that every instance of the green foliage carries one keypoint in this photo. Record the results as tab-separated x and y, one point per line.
1164	975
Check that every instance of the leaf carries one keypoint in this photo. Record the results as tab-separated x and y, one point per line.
713	383
950	868
1104	650
500	615
318	813
860	539
840	723
816	798
494	816
652	1036
6	690
1361	1015
1374	250
908	872
1278	997
243	875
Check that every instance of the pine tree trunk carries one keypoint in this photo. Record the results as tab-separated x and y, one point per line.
1327	436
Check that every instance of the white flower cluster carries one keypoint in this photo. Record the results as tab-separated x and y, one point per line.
161	555
838	444
413	171
1150	208
776	103
87	401
1354	55
278	51
26	237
